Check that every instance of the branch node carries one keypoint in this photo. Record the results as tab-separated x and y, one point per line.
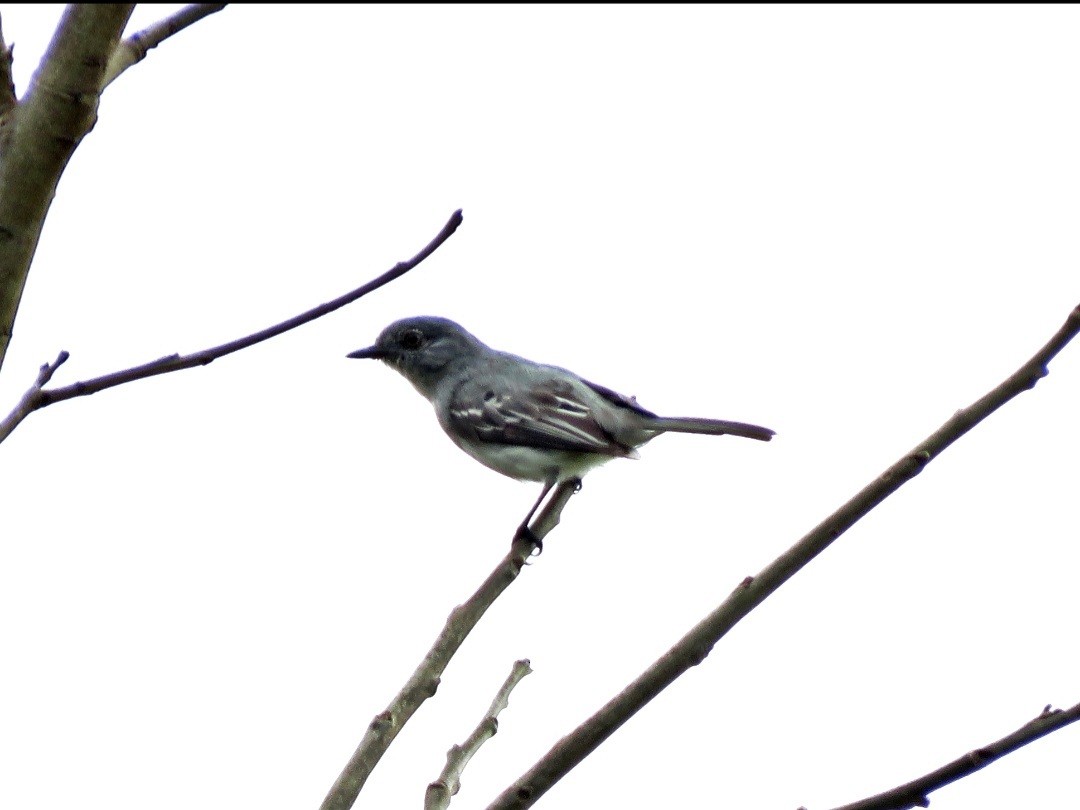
699	654
47	370
382	721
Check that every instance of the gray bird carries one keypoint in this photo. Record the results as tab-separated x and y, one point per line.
529	421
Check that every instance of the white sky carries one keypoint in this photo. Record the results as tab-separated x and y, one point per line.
842	223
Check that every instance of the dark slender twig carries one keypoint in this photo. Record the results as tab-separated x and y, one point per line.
36	398
425	680
133	49
915	793
693	648
440	791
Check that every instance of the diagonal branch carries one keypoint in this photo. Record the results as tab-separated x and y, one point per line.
425	680
914	793
56	113
36	398
695	646
135	48
440	791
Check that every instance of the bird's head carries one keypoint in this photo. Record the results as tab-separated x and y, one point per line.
422	349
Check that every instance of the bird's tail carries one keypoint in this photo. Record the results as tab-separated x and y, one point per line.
713	427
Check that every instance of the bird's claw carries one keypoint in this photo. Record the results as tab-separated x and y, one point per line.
527	534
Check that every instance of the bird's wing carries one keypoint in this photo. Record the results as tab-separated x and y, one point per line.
621	400
548	412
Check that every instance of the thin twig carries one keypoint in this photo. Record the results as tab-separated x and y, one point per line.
693	648
915	793
27	403
425	680
134	49
447	785
36	398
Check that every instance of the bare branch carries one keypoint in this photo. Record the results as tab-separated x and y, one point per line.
548	518
28	402
915	793
36	398
695	646
57	112
8	99
425	680
447	785
135	48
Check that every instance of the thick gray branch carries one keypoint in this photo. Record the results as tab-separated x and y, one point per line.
698	643
7	82
59	109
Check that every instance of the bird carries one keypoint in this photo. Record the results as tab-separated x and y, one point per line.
526	420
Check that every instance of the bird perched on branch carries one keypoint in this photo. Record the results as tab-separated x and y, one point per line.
529	421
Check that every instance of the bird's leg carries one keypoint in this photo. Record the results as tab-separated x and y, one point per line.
548	518
523	531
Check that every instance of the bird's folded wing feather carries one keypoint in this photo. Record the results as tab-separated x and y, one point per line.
621	400
548	414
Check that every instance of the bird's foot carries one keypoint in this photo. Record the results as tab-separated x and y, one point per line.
528	535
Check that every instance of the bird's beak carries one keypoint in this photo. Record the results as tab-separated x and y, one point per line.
370	353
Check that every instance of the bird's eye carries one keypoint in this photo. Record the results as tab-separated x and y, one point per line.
412	340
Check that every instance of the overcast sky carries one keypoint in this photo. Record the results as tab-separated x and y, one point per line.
841	223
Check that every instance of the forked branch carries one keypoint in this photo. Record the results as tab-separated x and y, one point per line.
425	680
